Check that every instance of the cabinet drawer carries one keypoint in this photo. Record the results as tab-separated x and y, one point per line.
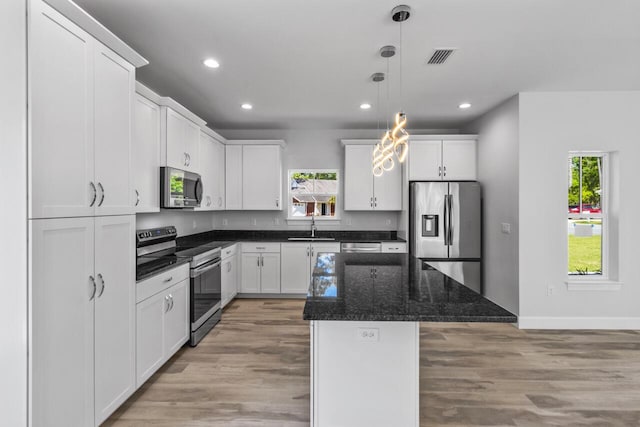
155	284
399	247
229	251
260	247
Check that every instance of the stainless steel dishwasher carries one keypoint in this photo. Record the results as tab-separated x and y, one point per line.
361	247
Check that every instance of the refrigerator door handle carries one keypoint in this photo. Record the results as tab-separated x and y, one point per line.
450	220
445	216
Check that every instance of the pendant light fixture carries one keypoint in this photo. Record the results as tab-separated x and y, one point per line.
395	141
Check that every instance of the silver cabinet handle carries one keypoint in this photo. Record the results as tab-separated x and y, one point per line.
168	279
277	203
439	170
101	287
166	299
258	259
102	194
171	299
444	171
261	247
188	159
375	202
219	201
95	193
371	202
93	294
137	197
185	158
210	201
261	260
307	252
228	267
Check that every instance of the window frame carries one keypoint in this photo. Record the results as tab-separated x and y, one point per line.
604	217
290	195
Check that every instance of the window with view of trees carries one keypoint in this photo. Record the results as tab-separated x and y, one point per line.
313	193
587	214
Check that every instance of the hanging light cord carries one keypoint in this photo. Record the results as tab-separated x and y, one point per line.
400	58
388	97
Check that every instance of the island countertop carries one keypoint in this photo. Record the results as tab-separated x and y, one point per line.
392	287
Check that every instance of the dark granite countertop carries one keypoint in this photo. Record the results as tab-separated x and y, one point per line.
392	287
229	237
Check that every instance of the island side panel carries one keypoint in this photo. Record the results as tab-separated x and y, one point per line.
367	380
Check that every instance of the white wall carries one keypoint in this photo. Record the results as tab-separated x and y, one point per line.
13	214
551	125
498	172
186	221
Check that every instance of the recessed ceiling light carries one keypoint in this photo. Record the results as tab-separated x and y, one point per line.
211	63
246	106
464	106
365	106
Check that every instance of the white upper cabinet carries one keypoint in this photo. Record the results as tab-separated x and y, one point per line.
262	177
181	139
253	178
233	177
436	159
61	107
114	94
363	190
146	154
212	170
81	100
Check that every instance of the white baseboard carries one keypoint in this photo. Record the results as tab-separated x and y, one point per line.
632	323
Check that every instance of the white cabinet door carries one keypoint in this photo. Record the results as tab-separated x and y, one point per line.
250	274
387	190
425	160
114	313
176	318
261	177
459	160
296	274
233	177
114	89
192	145
270	273
62	310
229	279
146	155
207	171
175	140
149	337
61	114
218	191
358	174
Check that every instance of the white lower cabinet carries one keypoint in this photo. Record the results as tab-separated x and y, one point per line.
82	322
298	261
162	320
260	268
229	274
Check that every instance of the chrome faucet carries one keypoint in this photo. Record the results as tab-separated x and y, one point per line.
313	226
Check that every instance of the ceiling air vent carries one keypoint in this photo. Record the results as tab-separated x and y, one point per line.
440	56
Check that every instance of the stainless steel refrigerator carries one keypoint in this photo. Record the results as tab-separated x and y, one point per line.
445	228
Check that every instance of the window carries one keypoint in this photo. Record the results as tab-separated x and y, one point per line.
313	193
587	215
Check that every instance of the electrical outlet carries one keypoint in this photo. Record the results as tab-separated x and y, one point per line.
506	228
550	289
368	334
195	224
388	222
225	221
254	221
276	221
348	221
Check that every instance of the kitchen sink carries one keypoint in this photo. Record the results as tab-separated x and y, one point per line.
311	239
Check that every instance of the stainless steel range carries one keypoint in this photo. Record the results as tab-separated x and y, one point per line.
157	252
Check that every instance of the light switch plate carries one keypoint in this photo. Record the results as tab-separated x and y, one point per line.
506	228
368	334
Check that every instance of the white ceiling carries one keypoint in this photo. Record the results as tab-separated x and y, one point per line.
307	63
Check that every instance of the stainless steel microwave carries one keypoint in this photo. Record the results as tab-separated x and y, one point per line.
179	189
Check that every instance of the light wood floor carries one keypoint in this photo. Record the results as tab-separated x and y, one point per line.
253	370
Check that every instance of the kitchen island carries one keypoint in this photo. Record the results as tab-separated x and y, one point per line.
365	312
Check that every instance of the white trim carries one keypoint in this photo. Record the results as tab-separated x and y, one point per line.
89	24
619	323
147	93
593	285
281	142
346	142
167	102
213	134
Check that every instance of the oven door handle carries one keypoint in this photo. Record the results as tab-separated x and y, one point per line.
198	271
